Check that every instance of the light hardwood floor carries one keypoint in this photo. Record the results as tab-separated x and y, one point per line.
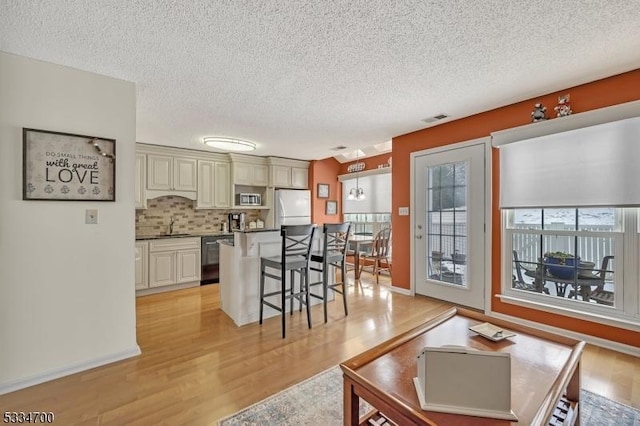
197	366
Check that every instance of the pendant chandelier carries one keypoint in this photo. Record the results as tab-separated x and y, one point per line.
357	193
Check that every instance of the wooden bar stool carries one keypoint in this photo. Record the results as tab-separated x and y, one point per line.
294	257
333	254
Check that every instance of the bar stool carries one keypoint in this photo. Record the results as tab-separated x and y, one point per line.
294	257
333	253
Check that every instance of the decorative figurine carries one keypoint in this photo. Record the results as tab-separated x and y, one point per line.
539	113
564	106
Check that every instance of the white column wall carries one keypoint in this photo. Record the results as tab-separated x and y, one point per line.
67	299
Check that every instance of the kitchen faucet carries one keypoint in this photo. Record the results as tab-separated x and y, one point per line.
171	225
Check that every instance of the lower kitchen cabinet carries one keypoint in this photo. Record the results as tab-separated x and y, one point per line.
162	269
142	265
188	266
174	261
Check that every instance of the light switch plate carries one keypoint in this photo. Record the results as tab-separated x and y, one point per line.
91	217
403	211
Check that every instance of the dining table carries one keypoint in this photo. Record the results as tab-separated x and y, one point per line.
582	284
358	243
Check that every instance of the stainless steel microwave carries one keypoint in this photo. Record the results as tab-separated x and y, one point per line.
245	199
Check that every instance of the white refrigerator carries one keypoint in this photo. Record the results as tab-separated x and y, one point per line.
292	207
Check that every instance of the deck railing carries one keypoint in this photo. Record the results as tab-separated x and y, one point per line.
589	248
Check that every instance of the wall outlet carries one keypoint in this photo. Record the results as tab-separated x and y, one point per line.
403	211
91	217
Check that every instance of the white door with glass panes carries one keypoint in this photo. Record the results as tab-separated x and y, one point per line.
449	255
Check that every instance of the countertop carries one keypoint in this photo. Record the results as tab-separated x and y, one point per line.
203	234
183	235
250	231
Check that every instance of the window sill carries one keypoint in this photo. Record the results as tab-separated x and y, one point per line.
624	323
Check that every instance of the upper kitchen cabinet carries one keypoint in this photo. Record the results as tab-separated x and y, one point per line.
169	171
300	177
140	181
214	185
250	179
250	172
202	176
166	173
286	173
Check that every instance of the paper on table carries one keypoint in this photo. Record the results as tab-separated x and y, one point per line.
491	331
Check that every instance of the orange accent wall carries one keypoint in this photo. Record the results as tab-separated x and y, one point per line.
325	171
598	94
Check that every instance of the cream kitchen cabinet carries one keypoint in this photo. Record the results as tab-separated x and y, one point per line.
299	177
168	173
214	186
281	176
286	173
174	261
142	267
250	174
140	181
222	185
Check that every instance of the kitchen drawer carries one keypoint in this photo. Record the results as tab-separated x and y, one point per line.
173	244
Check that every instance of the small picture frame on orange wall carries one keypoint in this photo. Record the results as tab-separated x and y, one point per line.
323	190
332	207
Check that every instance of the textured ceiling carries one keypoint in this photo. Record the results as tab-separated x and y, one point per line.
302	77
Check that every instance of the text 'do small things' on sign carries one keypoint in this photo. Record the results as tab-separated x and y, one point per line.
67	167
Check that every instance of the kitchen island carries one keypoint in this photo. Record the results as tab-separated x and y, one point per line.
240	274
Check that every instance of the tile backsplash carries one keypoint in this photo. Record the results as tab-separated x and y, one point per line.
155	219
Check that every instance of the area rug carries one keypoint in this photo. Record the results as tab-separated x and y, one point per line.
318	401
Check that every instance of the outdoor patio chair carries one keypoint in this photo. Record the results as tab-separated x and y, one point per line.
600	295
518	281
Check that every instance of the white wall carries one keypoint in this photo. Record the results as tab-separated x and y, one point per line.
67	299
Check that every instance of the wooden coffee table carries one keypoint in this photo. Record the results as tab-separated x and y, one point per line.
545	373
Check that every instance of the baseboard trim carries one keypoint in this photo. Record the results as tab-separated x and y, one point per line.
162	289
14	385
400	290
597	341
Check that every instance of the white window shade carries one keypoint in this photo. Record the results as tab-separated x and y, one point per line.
377	190
592	166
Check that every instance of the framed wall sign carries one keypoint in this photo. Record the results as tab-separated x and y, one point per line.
332	207
323	190
67	167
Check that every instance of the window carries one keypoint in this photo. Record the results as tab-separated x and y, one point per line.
579	258
368	223
376	187
447	222
372	213
571	257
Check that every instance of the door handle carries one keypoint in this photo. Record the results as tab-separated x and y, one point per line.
418	237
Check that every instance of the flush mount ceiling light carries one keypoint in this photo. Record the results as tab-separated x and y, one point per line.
229	144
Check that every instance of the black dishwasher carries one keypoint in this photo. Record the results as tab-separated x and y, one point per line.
211	258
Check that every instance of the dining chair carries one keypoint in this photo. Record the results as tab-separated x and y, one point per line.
379	256
332	256
599	294
293	258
